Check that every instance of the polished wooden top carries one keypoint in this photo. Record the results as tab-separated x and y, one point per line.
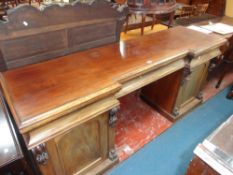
42	92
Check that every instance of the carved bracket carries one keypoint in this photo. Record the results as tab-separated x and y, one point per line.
40	154
112	155
113	116
187	70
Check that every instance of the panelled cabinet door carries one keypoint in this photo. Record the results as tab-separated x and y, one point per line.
78	150
190	90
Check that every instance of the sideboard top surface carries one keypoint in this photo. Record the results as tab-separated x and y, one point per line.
37	92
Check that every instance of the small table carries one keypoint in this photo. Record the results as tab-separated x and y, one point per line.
215	154
145	8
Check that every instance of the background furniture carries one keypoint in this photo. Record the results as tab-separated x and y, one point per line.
12	159
3	8
227	61
201	9
186	11
216	7
227	65
214	155
153	8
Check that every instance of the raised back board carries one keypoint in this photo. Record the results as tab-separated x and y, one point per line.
33	35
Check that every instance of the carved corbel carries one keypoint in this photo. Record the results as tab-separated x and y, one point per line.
112	155
187	69
40	154
113	116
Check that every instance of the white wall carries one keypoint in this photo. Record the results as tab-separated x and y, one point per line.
229	8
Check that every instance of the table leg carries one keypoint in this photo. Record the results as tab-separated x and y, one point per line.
171	17
127	23
153	21
143	24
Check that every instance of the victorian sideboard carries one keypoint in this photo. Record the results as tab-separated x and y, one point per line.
66	107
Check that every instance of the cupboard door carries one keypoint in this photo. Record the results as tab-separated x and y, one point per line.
191	88
80	149
83	147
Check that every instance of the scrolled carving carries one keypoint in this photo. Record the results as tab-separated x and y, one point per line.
112	155
113	116
40	154
187	70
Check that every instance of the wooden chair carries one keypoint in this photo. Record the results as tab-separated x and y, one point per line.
143	22
11	3
201	9
187	11
39	2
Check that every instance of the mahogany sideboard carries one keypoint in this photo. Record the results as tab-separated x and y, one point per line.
66	108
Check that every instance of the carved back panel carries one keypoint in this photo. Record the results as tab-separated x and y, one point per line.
31	35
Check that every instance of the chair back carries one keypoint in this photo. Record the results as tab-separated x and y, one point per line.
201	9
187	11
